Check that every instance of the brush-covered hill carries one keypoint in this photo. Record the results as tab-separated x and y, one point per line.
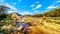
51	13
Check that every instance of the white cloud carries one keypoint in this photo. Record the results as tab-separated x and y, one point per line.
36	10
51	7
38	6
32	5
36	2
58	1
11	7
25	13
11	11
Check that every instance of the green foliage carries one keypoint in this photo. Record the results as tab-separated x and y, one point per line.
2	16
3	11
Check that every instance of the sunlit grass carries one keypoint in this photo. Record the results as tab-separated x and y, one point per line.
42	27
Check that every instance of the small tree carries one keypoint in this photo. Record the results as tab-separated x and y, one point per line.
3	11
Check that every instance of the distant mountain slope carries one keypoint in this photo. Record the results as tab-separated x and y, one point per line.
51	13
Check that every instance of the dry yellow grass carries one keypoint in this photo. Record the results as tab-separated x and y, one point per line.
42	27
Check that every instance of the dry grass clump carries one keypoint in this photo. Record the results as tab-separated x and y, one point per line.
42	27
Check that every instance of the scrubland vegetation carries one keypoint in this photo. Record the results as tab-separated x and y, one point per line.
43	26
49	25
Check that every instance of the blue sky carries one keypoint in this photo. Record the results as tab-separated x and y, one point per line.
30	6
